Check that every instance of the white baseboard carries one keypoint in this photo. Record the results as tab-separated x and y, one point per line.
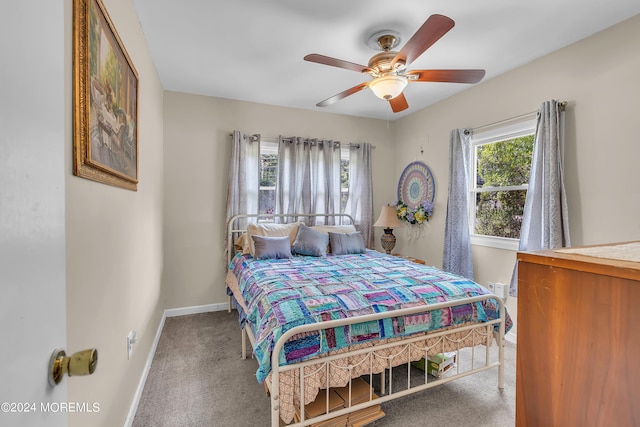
152	351
511	337
173	312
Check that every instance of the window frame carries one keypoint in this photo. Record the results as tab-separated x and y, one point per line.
526	126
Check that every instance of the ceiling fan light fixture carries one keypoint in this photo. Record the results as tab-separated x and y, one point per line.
388	87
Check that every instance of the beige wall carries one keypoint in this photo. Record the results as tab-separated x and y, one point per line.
197	152
598	77
114	247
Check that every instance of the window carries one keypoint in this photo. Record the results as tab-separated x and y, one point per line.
268	175
501	166
269	172
344	177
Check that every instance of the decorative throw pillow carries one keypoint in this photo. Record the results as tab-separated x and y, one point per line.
241	243
271	247
349	243
326	229
269	230
310	242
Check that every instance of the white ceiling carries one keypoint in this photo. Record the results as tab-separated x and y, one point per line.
252	50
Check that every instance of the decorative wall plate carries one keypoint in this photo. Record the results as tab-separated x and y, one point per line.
416	185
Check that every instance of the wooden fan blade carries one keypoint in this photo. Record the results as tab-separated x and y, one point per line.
327	60
431	31
398	103
342	95
447	76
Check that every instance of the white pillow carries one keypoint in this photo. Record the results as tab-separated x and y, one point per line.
241	243
269	230
335	228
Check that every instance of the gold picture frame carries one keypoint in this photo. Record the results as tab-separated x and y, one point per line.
105	101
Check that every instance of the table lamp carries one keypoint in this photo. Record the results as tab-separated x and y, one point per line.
389	220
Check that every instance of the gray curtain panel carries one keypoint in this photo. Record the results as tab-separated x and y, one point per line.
457	245
360	201
243	185
308	178
545	222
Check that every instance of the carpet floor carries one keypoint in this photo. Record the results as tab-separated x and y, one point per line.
197	379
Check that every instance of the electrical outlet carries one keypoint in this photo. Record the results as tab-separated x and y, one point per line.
499	289
131	340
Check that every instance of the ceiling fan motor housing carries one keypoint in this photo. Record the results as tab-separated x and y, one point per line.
381	64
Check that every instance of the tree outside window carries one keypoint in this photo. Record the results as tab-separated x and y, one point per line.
344	179
503	168
268	177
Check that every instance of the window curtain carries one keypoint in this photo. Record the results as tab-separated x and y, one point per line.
457	244
545	222
243	183
360	202
308	178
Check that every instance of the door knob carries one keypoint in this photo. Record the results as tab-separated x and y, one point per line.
80	363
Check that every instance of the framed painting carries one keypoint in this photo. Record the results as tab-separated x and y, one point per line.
105	100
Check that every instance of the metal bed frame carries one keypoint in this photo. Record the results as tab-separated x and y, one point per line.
443	339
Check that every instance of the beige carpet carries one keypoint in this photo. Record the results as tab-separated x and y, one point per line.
197	379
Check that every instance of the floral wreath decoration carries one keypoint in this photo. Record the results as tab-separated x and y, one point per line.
416	216
416	191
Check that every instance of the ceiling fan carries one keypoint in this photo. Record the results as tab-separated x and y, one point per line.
389	68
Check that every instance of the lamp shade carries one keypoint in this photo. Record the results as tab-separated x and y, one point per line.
388	87
388	218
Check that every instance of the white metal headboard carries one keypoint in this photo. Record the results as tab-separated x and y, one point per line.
234	227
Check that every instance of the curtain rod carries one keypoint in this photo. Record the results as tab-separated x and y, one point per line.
276	139
561	106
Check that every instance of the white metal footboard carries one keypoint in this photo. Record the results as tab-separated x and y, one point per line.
483	331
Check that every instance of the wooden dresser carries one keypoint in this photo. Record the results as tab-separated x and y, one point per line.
578	351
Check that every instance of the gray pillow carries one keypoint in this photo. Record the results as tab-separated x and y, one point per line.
271	247
310	242
346	243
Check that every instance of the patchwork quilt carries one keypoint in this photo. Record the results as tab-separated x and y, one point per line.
281	294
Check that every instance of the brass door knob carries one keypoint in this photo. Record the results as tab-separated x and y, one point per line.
80	363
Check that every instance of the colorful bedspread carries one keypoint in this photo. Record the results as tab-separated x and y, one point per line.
283	293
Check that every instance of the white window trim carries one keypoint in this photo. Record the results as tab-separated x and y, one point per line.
526	126
494	242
